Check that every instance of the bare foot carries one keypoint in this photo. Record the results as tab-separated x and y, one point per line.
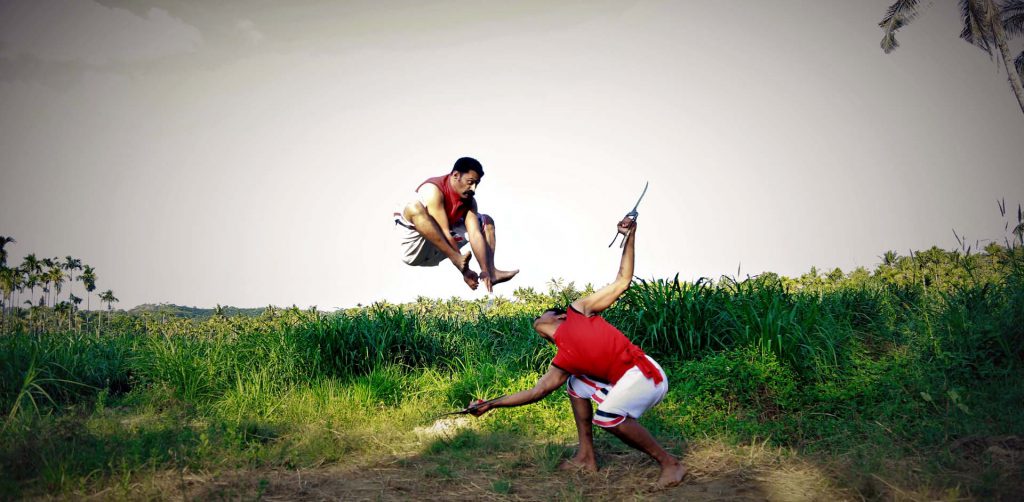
463	263
578	464
671	475
500	276
471	279
486	279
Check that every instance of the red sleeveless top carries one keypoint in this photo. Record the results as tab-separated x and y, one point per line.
454	206
593	347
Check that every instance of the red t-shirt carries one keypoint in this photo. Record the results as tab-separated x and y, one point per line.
591	346
454	206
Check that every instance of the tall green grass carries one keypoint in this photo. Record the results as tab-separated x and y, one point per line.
800	360
806	329
816	331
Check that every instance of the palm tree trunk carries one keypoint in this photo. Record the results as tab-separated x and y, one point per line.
71	292
995	19
31	316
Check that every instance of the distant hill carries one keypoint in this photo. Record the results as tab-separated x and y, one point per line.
169	309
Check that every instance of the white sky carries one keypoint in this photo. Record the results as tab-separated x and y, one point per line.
251	152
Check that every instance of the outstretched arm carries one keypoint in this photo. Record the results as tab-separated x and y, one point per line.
606	296
547	384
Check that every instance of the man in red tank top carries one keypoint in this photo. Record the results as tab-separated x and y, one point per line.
598	363
443	218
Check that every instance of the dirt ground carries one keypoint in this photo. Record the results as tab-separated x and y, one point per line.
716	473
524	470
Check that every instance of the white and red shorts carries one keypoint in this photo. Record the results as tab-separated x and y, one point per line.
631	396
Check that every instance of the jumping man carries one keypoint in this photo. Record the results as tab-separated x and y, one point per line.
600	364
442	218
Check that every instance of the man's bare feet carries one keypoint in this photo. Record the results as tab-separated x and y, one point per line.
578	463
463	263
500	276
496	277
671	475
471	279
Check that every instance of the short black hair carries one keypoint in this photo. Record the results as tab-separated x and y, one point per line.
467	164
556	310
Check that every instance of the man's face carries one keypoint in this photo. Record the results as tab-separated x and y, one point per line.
465	184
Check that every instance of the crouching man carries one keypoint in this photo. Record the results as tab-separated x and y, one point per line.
442	218
598	363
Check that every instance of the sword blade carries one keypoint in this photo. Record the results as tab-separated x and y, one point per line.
641	196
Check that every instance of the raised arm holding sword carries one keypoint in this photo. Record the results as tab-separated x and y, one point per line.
631	215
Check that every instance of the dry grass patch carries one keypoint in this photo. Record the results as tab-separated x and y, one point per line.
523	472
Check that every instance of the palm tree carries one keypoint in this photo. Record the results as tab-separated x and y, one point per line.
8	283
22	284
88	279
889	258
74	302
32	267
34	311
1013	21
46	276
56	277
986	23
6	278
108	298
19	285
71	264
61	308
4	241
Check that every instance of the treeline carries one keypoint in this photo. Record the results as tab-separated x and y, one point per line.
19	307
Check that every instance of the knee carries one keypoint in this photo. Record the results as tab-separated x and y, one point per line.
486	221
413	209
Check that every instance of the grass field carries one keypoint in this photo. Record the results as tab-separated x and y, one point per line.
899	383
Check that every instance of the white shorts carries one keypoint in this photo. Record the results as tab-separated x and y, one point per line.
631	396
419	252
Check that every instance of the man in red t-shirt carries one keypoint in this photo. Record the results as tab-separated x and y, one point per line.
443	218
598	363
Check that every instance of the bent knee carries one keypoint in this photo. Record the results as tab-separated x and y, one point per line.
486	220
414	208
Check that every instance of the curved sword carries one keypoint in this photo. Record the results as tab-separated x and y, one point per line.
632	214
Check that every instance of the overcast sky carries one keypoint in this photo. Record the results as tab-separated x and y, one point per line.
252	152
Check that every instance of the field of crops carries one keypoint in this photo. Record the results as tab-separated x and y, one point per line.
902	382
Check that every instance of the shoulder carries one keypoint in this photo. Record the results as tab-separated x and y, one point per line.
429	189
579	307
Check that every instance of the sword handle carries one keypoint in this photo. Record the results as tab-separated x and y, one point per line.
631	215
624	238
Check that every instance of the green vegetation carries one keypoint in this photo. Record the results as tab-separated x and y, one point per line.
909	374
